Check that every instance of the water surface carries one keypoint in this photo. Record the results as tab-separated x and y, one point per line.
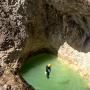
61	78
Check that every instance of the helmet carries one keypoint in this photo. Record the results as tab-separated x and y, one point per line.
49	65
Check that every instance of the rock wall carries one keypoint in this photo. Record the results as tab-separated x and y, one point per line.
12	39
27	26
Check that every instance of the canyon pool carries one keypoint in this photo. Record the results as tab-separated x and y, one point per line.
61	77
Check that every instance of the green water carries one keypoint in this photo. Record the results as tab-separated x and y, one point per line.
61	78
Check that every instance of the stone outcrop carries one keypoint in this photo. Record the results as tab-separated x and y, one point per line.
27	26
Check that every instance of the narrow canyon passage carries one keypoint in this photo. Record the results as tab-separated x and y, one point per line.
61	77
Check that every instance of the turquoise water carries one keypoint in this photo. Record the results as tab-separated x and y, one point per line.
61	78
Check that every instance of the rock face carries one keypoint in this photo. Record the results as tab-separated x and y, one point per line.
12	38
27	26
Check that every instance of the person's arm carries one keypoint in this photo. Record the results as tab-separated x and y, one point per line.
49	69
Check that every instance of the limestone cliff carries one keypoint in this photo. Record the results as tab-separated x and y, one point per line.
27	26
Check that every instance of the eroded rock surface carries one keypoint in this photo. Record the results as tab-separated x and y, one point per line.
27	26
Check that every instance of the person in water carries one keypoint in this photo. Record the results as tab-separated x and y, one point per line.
48	70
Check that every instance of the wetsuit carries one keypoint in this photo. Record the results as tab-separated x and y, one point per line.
48	70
